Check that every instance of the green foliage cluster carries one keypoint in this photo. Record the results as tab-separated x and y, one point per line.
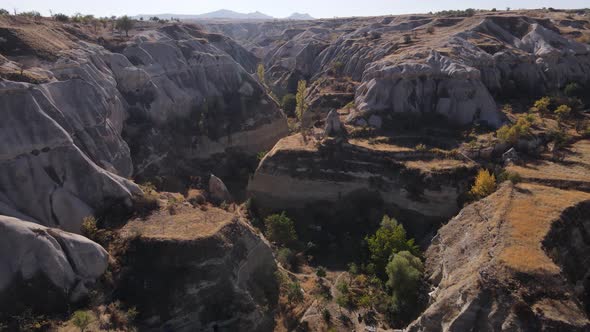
389	239
573	89
280	229
404	272
563	111
285	256
289	104
512	133
4	12
61	17
456	13
125	23
89	228
260	73
509	176
81	319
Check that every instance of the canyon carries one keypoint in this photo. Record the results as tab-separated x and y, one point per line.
114	151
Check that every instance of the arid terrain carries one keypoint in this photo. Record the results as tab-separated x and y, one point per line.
426	172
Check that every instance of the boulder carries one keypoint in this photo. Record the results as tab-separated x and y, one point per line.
218	191
510	156
45	268
333	125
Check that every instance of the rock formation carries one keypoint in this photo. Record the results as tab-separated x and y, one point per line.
199	270
333	126
44	268
218	190
494	265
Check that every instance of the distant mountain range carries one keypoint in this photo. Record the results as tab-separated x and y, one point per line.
226	15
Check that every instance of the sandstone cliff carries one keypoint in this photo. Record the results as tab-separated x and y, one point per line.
198	270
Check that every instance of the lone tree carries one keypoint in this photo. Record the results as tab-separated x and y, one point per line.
289	103
280	229
485	184
300	98
404	275
125	23
260	73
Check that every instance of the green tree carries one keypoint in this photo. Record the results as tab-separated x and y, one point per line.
404	275
294	292
389	239
285	257
125	23
320	272
563	111
280	229
81	320
260	73
542	105
289	103
300	99
4	12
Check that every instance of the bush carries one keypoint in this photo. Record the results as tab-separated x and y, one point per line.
430	30
280	229
485	184
4	12
563	111
320	272
404	273
285	257
407	39
81	320
89	228
61	17
542	105
512	133
260	74
294	292
289	103
326	315
389	239
509	176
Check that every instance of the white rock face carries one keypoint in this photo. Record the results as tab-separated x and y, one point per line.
66	260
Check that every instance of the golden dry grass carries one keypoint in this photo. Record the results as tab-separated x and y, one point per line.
187	223
529	217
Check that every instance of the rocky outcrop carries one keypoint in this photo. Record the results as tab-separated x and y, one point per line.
44	268
198	270
218	190
493	266
80	119
300	171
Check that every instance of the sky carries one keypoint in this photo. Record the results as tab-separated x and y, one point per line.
276	8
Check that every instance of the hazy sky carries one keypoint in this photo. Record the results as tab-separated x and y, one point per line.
276	8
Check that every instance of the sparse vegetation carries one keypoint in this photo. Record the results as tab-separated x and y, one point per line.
280	229
563	111
485	184
89	228
285	257
260	74
389	239
61	17
509	176
512	133
542	105
81	319
430	30
125	23
573	90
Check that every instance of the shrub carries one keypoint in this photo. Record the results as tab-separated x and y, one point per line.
289	104
280	229
353	269
389	239
326	315
542	105
61	17
285	257
89	228
81	320
260	155
573	90
300	99
407	39
430	30
404	273
485	184
509	176
563	111
512	133
320	272
4	12
294	292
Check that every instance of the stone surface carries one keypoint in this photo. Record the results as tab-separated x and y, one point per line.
199	271
50	265
218	190
333	126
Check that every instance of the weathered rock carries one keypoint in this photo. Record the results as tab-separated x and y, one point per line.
510	156
218	190
333	126
45	268
375	121
198	271
504	240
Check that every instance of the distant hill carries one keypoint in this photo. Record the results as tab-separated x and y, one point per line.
300	16
219	14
